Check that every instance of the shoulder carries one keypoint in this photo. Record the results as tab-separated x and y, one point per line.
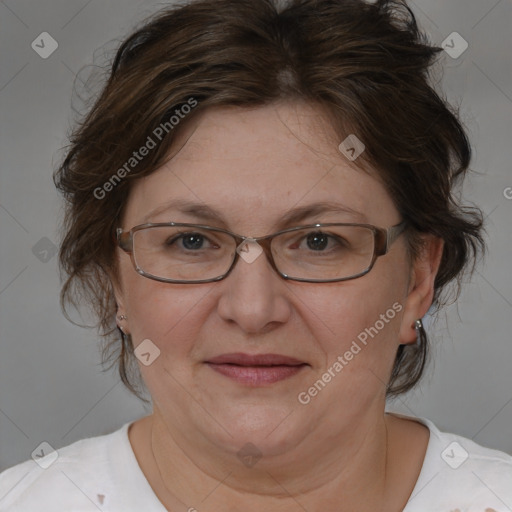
76	477
459	475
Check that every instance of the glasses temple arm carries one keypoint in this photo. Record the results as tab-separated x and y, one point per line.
394	232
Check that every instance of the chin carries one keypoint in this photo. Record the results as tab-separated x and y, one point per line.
266	427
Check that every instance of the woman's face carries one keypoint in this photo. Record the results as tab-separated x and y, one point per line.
253	167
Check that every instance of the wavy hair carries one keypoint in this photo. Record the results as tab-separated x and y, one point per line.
366	65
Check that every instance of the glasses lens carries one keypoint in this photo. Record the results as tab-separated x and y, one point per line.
323	253
183	253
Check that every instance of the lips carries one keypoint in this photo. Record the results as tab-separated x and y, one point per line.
240	359
256	370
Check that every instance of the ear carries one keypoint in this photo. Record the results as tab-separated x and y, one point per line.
421	286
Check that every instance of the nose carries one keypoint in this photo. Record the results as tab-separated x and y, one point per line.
253	295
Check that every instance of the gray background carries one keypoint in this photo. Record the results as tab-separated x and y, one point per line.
51	384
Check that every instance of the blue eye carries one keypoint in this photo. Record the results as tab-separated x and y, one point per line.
192	241
321	242
317	241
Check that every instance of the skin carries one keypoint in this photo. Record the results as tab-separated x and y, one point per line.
339	452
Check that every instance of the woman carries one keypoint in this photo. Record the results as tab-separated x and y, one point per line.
260	211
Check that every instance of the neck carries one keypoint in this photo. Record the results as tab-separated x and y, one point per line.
348	474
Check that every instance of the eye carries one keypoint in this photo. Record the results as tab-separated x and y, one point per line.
318	241
191	241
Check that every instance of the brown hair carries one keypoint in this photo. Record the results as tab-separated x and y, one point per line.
365	64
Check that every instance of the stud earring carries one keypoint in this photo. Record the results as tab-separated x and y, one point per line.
120	318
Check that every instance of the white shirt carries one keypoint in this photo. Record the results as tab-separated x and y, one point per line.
102	473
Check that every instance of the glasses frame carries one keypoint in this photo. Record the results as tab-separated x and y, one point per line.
383	239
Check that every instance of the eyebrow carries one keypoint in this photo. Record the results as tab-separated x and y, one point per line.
206	213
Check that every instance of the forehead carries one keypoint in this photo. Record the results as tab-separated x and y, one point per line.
257	164
258	138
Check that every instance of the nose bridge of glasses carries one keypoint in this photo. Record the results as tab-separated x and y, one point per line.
259	245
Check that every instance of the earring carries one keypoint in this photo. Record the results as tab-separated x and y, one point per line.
120	318
421	335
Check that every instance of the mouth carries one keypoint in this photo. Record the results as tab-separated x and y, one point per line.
256	370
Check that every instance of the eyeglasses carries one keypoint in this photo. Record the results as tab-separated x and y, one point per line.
317	253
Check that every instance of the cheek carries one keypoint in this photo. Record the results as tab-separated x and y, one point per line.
171	317
362	313
356	329
167	314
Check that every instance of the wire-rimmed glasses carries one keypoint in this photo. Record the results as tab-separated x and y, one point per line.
317	253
